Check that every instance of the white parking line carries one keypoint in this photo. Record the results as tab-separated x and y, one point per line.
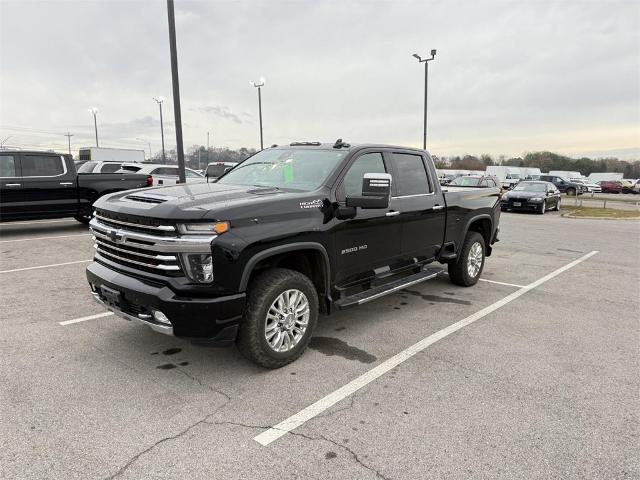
44	266
40	222
45	238
84	319
293	422
502	283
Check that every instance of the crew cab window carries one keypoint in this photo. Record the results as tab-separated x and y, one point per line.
165	171
352	182
491	183
7	166
42	166
412	175
192	174
110	167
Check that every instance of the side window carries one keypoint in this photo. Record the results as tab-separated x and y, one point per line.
110	167
412	175
491	183
352	181
483	183
160	171
7	166
42	166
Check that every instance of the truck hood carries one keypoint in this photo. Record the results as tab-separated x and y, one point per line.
205	201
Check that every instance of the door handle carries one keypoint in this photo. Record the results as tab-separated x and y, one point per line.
66	183
392	214
12	184
438	207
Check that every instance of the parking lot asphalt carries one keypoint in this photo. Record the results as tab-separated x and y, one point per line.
545	385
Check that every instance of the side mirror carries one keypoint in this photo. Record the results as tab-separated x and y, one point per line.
227	169
376	191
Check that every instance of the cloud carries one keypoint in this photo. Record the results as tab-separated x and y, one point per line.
220	111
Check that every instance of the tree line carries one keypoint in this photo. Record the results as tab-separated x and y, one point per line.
197	157
545	161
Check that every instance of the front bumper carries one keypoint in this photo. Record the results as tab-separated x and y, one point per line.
521	204
212	321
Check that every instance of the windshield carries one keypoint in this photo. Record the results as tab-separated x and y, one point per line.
465	182
530	187
299	169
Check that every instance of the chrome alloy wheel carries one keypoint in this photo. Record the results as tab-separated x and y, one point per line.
287	320
474	261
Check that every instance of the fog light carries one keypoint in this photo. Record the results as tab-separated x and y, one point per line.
161	317
199	267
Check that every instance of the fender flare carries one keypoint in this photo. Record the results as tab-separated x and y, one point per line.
482	216
290	247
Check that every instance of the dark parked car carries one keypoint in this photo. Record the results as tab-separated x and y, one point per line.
533	196
290	232
611	186
478	181
35	185
564	185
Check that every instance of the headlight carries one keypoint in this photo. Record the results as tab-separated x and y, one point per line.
209	228
198	267
536	199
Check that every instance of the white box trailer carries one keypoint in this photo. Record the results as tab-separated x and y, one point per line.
530	173
508	176
605	176
98	154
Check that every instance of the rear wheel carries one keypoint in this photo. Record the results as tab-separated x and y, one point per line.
83	218
279	318
468	267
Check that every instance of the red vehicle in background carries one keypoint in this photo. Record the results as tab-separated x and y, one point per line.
609	186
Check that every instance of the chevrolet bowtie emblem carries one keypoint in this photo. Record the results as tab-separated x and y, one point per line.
114	236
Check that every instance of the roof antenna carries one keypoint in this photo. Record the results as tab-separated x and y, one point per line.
339	144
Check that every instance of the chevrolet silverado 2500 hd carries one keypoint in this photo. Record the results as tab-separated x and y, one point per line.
290	232
37	185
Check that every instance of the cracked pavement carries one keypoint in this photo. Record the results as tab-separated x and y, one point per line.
545	387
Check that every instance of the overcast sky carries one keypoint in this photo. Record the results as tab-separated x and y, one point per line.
508	77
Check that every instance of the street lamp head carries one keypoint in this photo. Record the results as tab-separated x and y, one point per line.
159	99
259	83
417	56
93	110
433	53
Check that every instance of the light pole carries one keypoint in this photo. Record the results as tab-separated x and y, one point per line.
426	82
259	86
148	143
94	111
159	100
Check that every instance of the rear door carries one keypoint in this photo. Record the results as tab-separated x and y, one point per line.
48	188
421	206
369	243
10	185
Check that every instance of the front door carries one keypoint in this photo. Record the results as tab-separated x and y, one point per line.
421	206
10	186
369	243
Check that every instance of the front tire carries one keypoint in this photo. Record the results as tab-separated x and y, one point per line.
571	192
468	267
557	209
543	207
279	318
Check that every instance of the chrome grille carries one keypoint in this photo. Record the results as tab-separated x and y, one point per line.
144	247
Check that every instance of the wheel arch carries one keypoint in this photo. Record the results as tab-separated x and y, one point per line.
483	224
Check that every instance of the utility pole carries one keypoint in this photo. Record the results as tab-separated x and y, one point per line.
176	90
426	80
159	100
69	135
259	86
207	159
94	111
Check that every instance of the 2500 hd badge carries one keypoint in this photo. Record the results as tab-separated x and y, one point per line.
189	261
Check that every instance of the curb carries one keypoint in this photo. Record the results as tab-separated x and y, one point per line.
580	217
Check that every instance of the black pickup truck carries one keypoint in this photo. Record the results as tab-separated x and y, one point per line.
38	185
290	232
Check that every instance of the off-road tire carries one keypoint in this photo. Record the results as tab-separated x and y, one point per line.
458	272
263	289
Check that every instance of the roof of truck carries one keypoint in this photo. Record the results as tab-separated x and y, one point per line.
339	145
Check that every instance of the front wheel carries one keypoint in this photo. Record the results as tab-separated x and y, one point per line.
571	192
557	209
468	267
279	318
543	207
